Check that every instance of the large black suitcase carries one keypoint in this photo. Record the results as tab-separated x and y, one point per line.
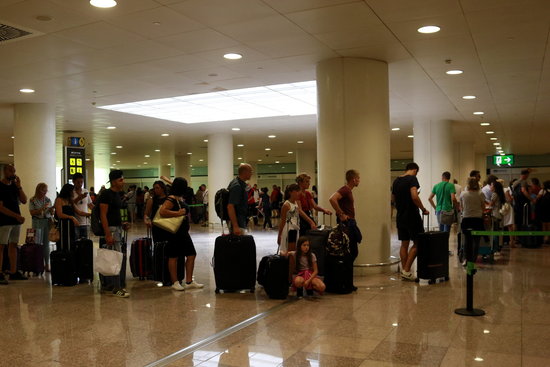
273	276
339	274
432	260
84	253
529	241
160	265
234	263
63	262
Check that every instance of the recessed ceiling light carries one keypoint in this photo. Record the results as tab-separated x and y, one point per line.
478	359
235	129
26	90
87	159
485	124
502	153
276	161
145	163
189	153
205	140
103	3
479	113
489	132
239	158
111	127
410	136
290	152
201	160
113	153
114	164
240	145
493	139
268	149
169	164
454	72
156	23
157	150
10	155
395	129
13	137
147	156
190	165
497	143
429	29
259	160
118	161
164	134
232	56
300	142
139	165
119	146
271	136
468	97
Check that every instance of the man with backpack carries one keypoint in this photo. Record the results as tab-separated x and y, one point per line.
237	207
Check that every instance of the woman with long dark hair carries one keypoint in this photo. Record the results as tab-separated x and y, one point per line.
156	200
65	211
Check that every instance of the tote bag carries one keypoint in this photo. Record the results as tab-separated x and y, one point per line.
168	224
108	262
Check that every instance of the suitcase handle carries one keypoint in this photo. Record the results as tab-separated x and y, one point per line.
526	214
428	221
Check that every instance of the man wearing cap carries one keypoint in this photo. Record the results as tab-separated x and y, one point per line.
109	208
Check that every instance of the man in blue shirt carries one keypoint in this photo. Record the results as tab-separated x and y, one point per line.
237	207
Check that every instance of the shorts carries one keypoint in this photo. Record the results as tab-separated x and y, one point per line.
409	228
9	234
181	246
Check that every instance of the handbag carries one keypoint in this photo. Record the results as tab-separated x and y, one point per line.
108	262
447	217
171	224
505	209
54	235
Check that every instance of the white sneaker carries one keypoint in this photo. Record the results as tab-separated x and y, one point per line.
407	275
193	285
177	287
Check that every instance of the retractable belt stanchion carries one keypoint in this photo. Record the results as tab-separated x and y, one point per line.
470	271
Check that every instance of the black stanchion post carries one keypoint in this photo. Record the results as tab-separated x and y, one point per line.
471	255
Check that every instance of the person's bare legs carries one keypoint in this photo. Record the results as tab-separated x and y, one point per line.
318	285
12	254
173	269
189	268
404	253
410	258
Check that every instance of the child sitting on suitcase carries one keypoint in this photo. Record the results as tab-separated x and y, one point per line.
304	269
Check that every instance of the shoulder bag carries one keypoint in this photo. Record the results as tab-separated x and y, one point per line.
171	224
447	217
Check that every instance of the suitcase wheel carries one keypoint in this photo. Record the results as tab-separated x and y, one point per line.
217	291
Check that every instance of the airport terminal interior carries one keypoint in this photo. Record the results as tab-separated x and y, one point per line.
194	88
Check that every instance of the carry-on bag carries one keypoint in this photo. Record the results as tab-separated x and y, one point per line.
339	274
234	263
318	239
63	262
141	257
84	253
273	274
160	270
529	241
31	258
432	255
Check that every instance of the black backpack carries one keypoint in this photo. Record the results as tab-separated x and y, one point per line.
95	221
221	200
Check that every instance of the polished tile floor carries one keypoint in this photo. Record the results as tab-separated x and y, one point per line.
387	322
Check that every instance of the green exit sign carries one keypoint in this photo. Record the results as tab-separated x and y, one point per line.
503	160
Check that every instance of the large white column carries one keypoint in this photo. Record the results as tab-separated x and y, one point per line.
34	151
433	152
353	132
164	170
464	162
220	168
306	162
254	178
89	180
181	168
102	164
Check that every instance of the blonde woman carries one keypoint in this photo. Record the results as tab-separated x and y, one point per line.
41	209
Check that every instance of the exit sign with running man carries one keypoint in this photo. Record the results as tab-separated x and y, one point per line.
501	160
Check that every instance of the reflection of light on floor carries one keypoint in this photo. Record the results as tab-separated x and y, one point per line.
262	359
313	362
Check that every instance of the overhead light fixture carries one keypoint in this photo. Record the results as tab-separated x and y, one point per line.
478	359
276	161
497	143
118	161
240	158
169	164
189	153
165	134
147	156
410	136
489	132
485	124
205	140
157	150
493	139
240	145
190	165
88	159
395	129
469	97
290	152
119	146
145	163
111	127
429	29
300	142
113	153
259	160
26	90
13	137
10	155
479	113
268	149
271	136
201	160
235	129
103	3
232	56
454	72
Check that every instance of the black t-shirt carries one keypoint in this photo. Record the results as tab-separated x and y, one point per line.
9	196
404	204
239	198
112	198
184	228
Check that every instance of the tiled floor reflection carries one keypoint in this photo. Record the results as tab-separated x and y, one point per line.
388	322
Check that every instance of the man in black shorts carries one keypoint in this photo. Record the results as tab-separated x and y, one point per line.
409	221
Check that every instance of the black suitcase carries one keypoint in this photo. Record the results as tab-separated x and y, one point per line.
339	274
141	258
273	276
529	241
63	263
160	265
84	253
432	260
318	239
234	263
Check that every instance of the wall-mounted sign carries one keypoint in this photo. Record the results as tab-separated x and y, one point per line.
502	160
75	141
75	162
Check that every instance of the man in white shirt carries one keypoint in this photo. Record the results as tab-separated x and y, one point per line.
486	190
82	202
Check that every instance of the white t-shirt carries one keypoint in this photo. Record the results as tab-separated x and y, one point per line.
458	191
486	190
205	197
82	205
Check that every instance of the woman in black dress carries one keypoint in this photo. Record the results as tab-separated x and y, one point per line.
65	211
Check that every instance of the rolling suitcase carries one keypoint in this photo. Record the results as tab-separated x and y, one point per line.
432	256
160	265
529	241
84	253
234	263
273	275
31	258
141	257
339	274
318	239
63	263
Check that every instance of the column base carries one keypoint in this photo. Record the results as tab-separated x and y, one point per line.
472	312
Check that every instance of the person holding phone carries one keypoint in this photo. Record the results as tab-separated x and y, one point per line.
11	195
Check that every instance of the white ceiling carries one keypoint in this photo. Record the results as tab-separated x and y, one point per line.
86	57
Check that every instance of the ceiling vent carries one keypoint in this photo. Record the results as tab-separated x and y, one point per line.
11	33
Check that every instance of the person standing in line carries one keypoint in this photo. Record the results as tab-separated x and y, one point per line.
289	229
472	202
11	195
543	209
307	204
83	202
275	201
486	190
343	203
130	199
409	221
41	209
237	209
446	199
522	197
265	206
113	227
